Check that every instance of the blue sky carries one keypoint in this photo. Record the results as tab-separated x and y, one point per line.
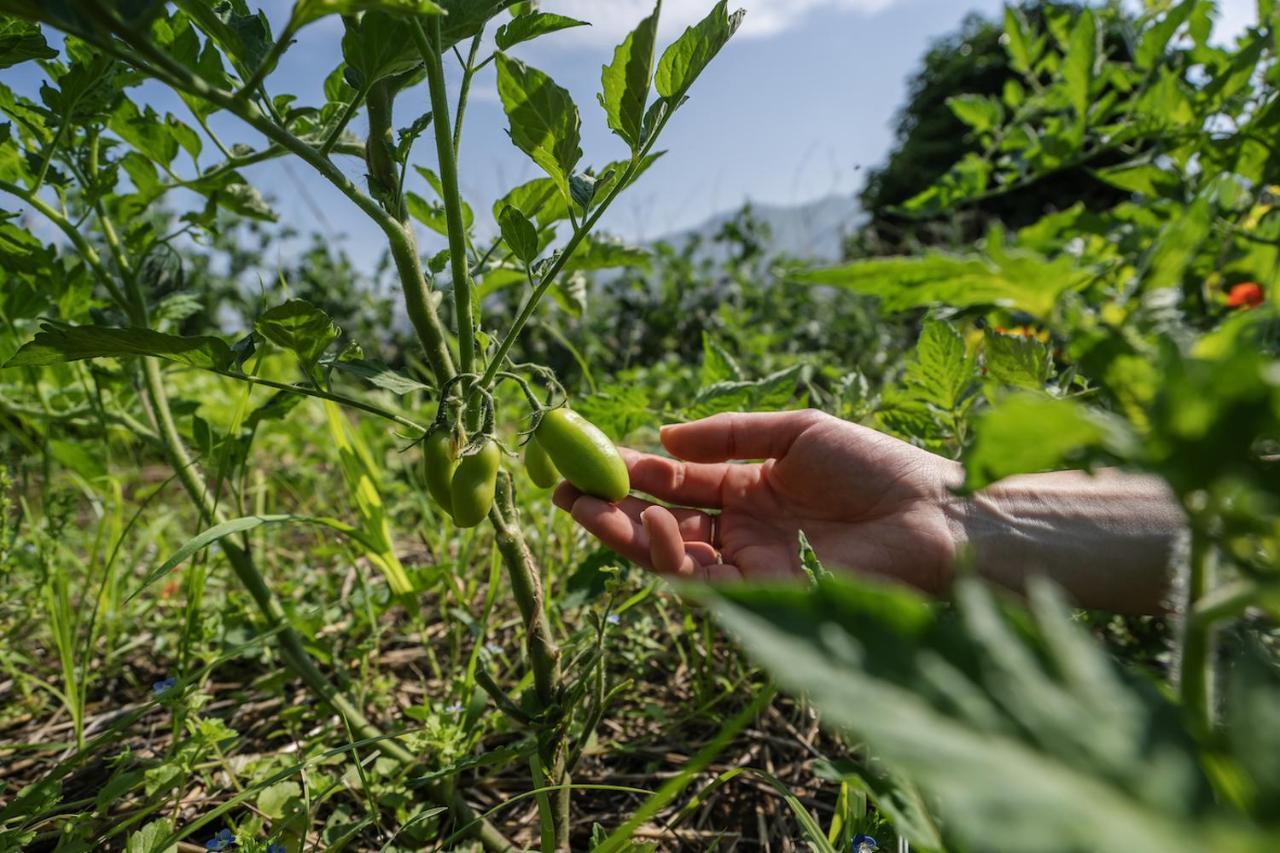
798	105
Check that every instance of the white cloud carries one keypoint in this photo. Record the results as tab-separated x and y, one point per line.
613	19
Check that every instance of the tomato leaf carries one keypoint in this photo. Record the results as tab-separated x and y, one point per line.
544	121
687	56
528	27
57	343
299	327
625	82
520	234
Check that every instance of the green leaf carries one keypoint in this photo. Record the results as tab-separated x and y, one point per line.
519	233
527	27
980	112
598	252
1017	361
307	11
1018	280
625	81
145	132
281	800
230	528
21	41
941	371
380	375
1017	40
1077	70
717	364
1028	433
1152	44
544	121
56	344
243	35
773	393
985	711
151	838
539	200
1143	178
299	327
378	46
687	56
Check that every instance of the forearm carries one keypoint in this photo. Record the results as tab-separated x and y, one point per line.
1109	539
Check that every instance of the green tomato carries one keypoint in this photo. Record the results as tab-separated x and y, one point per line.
441	458
474	483
541	469
584	455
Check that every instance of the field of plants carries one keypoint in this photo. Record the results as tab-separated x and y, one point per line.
284	561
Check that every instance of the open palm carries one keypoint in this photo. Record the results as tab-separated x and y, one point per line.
865	501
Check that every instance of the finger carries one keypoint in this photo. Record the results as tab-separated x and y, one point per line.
695	525
738	435
613	527
683	482
666	548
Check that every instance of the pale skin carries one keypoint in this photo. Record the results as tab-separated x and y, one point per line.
868	502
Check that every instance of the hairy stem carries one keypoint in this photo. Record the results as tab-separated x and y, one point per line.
544	652
385	176
452	200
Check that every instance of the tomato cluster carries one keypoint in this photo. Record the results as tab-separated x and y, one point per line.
463	480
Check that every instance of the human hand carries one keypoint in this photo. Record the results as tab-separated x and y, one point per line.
865	501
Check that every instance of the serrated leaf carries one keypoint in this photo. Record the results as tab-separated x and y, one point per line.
21	41
380	376
1029	433
307	11
377	46
1017	361
56	344
980	112
519	233
151	838
947	699
544	121
1077	70
526	27
299	327
687	57
1021	280
626	80
773	393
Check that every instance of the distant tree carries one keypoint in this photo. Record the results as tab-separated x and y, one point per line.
930	139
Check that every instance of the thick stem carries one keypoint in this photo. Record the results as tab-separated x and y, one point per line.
544	652
384	174
452	200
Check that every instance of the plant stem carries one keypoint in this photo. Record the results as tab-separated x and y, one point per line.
452	201
557	266
468	72
379	157
544	653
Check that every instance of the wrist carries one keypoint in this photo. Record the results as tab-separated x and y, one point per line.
1109	539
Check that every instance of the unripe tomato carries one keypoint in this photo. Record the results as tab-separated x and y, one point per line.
585	455
474	484
539	465
441	461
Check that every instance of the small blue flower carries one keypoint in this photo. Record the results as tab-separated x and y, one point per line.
275	848
224	839
164	685
455	708
613	618
864	844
